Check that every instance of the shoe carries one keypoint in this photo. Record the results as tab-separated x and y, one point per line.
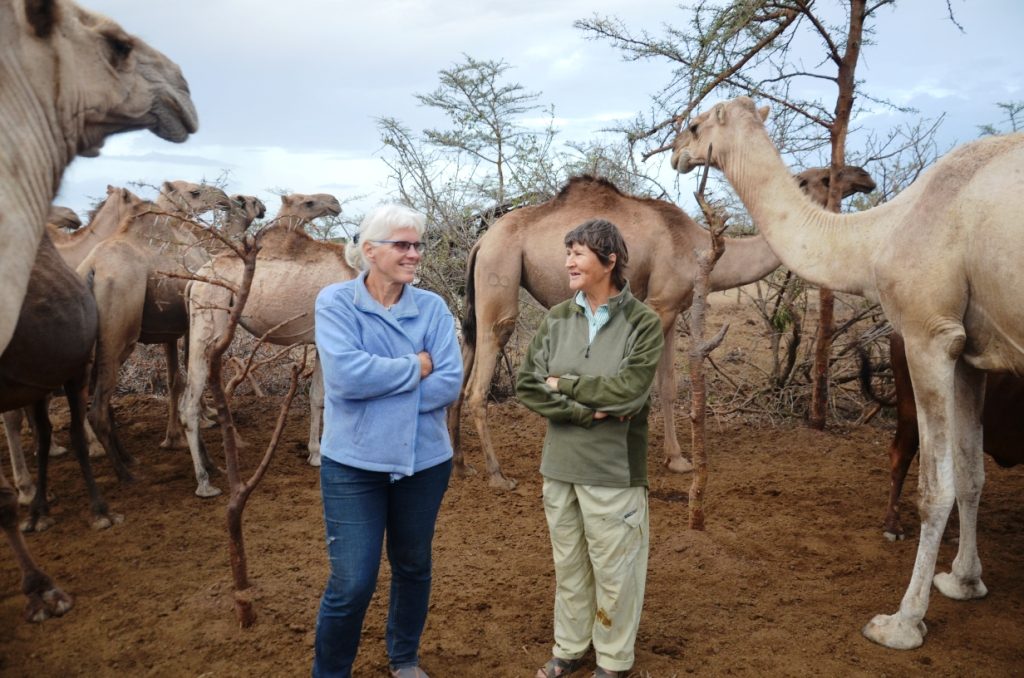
605	673
558	668
409	672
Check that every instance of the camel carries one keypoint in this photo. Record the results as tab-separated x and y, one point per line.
524	248
944	259
51	348
103	223
71	78
137	303
291	268
62	220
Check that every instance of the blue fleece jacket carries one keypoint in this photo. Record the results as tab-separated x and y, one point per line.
378	414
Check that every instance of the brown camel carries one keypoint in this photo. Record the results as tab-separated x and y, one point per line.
70	79
52	348
291	268
945	259
524	248
137	303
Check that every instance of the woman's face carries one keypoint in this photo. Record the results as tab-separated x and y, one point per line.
586	272
388	259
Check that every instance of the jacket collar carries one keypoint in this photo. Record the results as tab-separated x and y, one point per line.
613	302
364	301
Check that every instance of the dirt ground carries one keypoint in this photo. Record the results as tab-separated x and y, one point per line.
791	565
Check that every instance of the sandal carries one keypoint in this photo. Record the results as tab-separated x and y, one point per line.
409	672
605	673
558	668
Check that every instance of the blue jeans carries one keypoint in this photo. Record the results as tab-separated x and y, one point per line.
360	507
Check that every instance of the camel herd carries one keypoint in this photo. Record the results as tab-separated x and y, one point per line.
942	259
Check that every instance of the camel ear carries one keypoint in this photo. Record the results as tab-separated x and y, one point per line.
286	200
720	113
763	112
166	187
42	15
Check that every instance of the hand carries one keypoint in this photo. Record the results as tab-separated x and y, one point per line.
426	364
599	415
552	383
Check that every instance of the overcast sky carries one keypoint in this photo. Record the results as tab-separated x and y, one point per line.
288	93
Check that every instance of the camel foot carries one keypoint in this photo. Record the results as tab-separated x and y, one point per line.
463	470
953	587
313	459
206	491
26	496
106	521
500	482
894	535
96	451
57	450
172	443
894	631
678	464
37	524
50	603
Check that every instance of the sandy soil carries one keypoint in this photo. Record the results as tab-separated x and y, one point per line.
791	565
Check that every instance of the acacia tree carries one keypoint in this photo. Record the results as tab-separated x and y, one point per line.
747	47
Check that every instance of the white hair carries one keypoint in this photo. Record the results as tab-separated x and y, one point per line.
379	224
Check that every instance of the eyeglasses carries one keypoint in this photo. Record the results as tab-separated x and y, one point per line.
403	245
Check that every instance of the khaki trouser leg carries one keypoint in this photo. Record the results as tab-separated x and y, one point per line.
599	538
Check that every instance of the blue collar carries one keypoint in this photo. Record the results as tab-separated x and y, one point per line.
364	301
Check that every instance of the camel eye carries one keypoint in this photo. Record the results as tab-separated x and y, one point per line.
309	203
693	129
120	48
194	194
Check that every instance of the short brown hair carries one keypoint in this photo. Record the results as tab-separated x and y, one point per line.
603	238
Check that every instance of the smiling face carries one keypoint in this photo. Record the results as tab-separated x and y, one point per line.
586	272
388	261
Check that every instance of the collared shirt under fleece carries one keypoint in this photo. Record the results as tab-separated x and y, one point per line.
613	374
379	415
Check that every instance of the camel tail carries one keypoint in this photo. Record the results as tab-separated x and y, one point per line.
866	373
469	319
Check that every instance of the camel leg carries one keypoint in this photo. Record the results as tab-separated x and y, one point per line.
667	390
55	449
459	465
902	451
316	413
77	394
39	512
932	362
44	599
206	319
490	341
964	581
22	477
174	436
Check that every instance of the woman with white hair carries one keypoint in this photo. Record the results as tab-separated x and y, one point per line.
391	365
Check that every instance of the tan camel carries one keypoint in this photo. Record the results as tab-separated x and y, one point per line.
524	248
52	348
70	79
62	220
291	268
137	303
103	223
945	260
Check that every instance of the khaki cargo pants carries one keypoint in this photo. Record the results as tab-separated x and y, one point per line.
599	539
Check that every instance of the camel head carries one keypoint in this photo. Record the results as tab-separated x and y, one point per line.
299	209
852	179
63	218
690	147
96	79
244	210
186	198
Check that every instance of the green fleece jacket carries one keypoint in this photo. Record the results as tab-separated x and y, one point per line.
612	374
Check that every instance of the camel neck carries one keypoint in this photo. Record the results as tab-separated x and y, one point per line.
824	248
